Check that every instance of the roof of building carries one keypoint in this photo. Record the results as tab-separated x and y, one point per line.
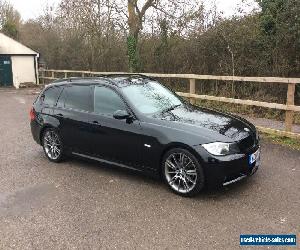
9	46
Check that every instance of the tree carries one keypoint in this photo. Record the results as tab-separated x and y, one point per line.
280	25
135	24
10	20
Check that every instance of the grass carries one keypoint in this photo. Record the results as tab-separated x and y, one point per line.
285	141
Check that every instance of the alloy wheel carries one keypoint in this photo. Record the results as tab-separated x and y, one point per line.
52	145
181	172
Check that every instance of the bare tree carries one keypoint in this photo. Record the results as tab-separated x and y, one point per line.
10	20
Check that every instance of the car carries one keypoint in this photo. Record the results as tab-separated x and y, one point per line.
133	121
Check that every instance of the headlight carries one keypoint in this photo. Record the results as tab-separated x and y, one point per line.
221	148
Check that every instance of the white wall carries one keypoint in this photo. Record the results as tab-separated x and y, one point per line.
23	70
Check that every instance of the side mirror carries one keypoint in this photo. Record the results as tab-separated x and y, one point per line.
121	115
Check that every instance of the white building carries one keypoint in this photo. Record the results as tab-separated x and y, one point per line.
18	63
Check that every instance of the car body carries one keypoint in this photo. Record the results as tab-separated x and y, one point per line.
137	138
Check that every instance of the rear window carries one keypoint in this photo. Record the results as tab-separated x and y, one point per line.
76	97
50	95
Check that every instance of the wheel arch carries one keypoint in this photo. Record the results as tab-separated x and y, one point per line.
174	145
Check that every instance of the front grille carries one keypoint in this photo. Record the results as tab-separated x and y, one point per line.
247	143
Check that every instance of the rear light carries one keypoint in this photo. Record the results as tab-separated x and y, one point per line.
32	114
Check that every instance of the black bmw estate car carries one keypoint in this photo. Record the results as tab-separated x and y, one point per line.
133	121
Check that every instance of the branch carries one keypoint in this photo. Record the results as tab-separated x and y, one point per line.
163	11
119	10
147	5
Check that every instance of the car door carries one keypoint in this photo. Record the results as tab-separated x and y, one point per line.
73	110
113	139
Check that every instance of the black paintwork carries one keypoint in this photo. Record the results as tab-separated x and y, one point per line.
127	141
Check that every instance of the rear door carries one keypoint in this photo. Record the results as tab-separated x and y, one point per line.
73	110
114	140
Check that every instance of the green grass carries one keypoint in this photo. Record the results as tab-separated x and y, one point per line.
285	141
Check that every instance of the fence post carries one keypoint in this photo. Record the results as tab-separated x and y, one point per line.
82	74
289	115
52	74
192	90
66	74
43	76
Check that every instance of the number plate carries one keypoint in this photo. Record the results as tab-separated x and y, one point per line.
254	157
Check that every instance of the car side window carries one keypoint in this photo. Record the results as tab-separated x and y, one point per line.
77	97
107	101
50	95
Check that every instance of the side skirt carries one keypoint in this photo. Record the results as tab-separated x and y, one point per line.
106	161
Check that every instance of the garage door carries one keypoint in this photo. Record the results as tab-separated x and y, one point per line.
5	71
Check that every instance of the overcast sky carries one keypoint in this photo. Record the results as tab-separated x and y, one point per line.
33	8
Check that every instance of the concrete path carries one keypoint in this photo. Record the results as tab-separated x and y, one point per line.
268	123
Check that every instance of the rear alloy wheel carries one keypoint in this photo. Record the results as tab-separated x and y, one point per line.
182	172
52	145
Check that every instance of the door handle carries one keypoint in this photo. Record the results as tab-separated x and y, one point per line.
60	115
96	123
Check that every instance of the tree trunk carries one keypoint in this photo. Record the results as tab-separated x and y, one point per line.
133	52
135	23
132	39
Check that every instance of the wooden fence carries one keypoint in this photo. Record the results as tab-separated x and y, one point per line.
289	107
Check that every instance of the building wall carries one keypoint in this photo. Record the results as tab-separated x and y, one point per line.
23	69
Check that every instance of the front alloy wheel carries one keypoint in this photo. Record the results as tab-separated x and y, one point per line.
183	172
52	145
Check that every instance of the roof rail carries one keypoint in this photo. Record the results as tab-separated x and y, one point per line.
127	74
71	79
98	77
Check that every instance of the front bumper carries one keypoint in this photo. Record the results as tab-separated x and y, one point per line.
225	170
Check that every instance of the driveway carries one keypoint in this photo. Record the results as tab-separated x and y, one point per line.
86	205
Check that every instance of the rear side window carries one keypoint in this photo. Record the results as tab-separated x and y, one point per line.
107	101
50	95
76	97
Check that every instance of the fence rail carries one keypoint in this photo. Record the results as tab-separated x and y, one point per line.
289	107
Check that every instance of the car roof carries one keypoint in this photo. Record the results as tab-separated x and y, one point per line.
118	80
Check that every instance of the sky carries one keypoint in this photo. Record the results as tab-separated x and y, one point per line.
33	8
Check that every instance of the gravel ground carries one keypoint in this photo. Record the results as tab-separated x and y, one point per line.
84	205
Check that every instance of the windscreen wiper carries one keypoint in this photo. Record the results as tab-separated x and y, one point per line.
171	108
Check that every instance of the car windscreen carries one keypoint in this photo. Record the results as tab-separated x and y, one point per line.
150	97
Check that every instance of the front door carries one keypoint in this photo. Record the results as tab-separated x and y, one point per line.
5	71
114	140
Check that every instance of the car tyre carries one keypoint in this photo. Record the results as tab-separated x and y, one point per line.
52	145
182	172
